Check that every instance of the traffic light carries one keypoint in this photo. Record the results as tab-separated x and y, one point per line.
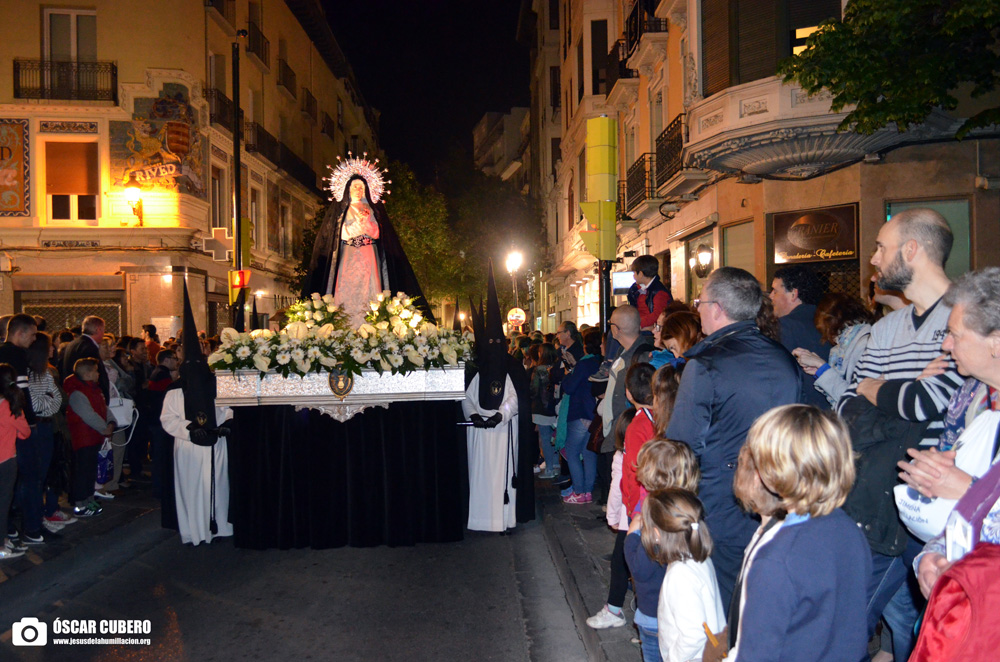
238	280
601	239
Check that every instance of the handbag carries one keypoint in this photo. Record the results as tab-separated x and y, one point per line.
105	463
123	409
596	434
926	517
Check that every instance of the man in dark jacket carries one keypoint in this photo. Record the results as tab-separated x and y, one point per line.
88	346
732	376
795	291
20	333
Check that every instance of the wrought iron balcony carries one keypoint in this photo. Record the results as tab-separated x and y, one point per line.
640	181
309	106
623	82
669	146
73	81
286	77
296	167
258	45
225	8
258	140
220	108
639	22
620	206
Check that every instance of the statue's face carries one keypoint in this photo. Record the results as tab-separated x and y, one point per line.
357	191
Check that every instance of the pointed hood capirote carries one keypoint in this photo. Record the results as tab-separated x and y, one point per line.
456	321
492	354
197	380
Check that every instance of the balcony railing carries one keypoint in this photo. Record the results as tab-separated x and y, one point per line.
620	207
75	81
638	23
226	9
329	127
669	146
258	45
220	108
296	167
639	180
309	106
258	140
617	68
286	77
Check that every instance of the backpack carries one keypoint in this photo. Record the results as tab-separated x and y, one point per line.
962	620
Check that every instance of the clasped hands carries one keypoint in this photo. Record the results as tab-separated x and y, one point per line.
933	473
491	422
200	434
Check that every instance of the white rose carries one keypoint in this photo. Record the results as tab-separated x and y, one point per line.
297	330
382	325
229	336
327	298
330	308
315	295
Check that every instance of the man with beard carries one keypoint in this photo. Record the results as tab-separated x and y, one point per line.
501	481
894	404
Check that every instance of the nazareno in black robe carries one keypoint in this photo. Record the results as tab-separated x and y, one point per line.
396	273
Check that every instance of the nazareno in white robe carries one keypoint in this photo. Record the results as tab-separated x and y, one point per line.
193	471
488	455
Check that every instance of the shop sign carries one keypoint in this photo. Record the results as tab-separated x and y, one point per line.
816	235
516	317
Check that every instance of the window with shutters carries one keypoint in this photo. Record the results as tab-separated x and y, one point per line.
72	181
553	14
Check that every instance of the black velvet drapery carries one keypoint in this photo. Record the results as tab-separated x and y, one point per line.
395	476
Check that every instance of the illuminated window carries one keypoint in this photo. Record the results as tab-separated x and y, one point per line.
799	38
218	198
72	180
255	217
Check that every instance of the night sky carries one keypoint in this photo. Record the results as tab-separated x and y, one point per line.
432	68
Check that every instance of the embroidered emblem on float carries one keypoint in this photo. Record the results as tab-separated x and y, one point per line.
341	383
201	419
496	388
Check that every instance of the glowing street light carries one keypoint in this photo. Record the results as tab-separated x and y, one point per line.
514	261
133	194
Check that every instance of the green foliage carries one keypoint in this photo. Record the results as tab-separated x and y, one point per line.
896	60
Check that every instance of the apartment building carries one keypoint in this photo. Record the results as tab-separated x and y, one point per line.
117	94
721	163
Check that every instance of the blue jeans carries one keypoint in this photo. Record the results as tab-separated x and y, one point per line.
582	462
545	439
901	608
34	455
648	637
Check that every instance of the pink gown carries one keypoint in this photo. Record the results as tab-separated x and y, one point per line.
358	278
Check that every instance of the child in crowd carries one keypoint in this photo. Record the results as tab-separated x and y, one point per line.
543	406
87	418
806	590
674	533
13	426
617	516
665	382
755	498
639	391
662	465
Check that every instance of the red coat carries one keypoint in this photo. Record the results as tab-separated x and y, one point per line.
12	428
83	435
639	431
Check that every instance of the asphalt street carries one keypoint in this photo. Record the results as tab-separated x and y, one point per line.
522	596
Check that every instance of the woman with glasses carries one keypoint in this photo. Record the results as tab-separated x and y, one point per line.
674	334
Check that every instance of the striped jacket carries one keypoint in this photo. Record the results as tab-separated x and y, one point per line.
898	351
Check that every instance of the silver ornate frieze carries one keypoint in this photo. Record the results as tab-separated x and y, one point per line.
57	126
250	388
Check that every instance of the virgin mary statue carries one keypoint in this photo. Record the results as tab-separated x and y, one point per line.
357	253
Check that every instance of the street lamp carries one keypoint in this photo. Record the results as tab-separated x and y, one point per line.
701	262
514	260
133	194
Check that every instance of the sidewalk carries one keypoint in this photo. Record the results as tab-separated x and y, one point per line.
580	543
134	503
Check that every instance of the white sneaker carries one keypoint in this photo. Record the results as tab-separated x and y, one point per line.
605	619
52	526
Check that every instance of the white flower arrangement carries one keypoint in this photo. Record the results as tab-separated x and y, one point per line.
394	338
317	311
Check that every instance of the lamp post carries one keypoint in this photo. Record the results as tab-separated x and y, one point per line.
133	194
514	260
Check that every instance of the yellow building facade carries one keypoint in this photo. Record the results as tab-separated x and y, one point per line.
718	159
93	99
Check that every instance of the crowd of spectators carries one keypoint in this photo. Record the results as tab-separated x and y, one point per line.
786	470
59	394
